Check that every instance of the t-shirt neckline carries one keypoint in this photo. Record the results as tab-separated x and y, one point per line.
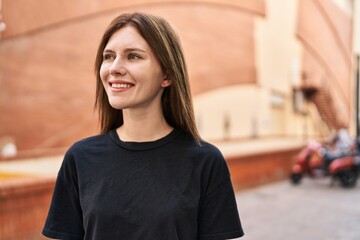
141	146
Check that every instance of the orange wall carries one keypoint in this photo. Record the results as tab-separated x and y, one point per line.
22	16
47	81
24	204
325	32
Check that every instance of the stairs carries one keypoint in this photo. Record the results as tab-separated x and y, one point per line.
324	100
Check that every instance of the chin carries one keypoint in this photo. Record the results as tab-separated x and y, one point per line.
117	106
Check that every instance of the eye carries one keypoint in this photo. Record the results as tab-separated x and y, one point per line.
108	56
134	56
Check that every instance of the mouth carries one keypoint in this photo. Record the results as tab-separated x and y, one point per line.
120	86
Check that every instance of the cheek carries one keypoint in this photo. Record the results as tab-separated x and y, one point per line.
103	73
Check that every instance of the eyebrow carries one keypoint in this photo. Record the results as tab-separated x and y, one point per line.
126	50
134	50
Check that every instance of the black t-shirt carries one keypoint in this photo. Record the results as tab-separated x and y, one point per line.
169	189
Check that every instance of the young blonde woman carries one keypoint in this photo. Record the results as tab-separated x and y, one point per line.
148	175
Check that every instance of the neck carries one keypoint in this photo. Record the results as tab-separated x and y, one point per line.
143	126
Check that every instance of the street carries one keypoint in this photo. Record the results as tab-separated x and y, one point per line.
314	210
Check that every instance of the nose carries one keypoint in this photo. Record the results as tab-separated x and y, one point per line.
117	68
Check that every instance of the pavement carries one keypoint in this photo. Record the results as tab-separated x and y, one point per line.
314	210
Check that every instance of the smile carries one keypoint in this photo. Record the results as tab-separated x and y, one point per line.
121	85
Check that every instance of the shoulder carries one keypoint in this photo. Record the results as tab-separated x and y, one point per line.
86	147
204	154
197	149
89	143
204	150
209	149
81	150
214	166
212	155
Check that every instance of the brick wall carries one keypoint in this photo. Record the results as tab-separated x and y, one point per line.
24	203
47	77
249	171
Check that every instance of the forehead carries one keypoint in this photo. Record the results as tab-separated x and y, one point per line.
127	37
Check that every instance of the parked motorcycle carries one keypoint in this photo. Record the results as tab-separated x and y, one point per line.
317	160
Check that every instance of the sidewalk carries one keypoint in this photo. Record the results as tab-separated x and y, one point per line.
314	210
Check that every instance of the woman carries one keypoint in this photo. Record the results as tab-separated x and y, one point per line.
148	175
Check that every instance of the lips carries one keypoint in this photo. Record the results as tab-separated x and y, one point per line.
120	85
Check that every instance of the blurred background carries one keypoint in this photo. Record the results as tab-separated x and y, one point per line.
266	76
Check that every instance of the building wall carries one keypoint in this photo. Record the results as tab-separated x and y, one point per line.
47	76
277	51
228	113
23	16
265	108
282	64
244	58
324	30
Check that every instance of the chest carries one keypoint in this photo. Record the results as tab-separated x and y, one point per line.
134	192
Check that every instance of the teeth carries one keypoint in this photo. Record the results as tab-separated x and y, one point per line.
120	85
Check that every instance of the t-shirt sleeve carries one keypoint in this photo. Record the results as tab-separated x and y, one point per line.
64	220
218	217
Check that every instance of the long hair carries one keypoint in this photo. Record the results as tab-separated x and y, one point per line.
176	99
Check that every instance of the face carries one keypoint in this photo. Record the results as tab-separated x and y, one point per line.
131	74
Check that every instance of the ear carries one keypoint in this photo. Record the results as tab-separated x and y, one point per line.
166	82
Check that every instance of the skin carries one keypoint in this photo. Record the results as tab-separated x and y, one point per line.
134	82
